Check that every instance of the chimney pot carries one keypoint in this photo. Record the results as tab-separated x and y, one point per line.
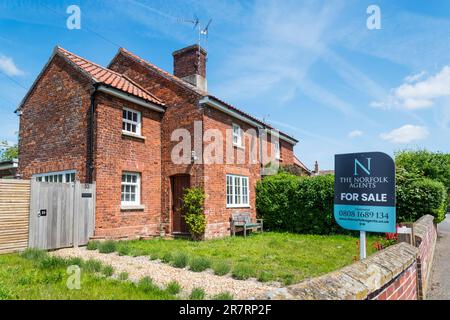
189	64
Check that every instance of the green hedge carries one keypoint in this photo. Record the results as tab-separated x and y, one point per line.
422	163
305	204
417	196
297	204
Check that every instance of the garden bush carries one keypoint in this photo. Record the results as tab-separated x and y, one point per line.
297	204
418	196
422	163
199	264
197	294
180	260
108	246
193	201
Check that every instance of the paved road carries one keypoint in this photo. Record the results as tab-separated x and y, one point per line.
440	278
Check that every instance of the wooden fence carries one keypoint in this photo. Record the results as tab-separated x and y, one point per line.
14	214
45	215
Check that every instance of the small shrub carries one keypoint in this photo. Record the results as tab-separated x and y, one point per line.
197	294
123	250
92	245
180	260
265	276
135	252
288	279
108	270
167	257
173	288
51	262
153	255
193	201
123	276
223	296
75	261
242	271
33	254
108	246
199	264
221	268
146	285
92	265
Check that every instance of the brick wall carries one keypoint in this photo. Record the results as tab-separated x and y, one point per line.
216	211
182	111
116	153
425	239
53	126
402	287
399	272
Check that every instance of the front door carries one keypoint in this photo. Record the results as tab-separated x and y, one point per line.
179	184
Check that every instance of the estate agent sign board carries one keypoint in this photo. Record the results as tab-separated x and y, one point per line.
364	192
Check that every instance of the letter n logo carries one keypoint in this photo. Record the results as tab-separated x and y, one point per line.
361	166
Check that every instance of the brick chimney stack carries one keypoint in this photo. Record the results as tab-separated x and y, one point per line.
189	64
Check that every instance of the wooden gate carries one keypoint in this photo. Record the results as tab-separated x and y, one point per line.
61	214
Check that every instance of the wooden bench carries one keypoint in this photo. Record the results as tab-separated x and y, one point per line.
244	220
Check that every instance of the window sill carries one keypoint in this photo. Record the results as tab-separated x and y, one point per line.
237	146
133	135
239	207
132	208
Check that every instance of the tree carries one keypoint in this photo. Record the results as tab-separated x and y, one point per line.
8	152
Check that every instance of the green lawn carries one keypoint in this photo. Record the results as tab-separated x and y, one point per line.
45	278
284	257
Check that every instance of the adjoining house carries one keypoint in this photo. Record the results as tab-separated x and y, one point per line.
123	127
8	169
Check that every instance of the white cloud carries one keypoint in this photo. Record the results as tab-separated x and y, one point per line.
355	134
406	134
8	66
415	77
415	94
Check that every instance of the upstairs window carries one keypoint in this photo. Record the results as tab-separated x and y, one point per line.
131	189
131	121
237	135
277	150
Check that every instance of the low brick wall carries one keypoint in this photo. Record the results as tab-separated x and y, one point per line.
425	234
399	272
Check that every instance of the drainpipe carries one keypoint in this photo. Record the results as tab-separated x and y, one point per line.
90	136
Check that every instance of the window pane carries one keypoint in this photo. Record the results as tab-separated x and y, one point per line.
124	114
135	117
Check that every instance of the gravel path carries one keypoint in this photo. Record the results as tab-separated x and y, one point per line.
440	278
161	273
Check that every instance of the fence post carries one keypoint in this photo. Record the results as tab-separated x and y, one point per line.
76	215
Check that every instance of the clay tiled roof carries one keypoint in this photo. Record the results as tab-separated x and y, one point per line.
187	85
297	162
108	77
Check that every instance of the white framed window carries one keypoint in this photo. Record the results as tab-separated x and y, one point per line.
131	121
131	189
277	150
237	191
237	135
67	176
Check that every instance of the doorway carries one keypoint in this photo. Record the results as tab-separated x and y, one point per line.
179	184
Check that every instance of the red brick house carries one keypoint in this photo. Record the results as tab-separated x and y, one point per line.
126	128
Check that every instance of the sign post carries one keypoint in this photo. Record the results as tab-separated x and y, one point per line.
364	193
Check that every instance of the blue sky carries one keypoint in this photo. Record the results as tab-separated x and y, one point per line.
311	68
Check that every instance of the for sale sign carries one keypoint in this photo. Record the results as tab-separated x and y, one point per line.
364	192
